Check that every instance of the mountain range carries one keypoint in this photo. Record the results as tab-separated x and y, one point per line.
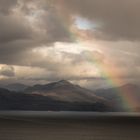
65	96
16	87
124	97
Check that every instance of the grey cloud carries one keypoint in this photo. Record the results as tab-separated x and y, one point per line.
37	23
123	53
119	19
16	52
19	35
56	30
50	26
13	28
7	71
66	77
7	5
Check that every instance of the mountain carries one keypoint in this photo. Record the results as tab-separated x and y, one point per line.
119	95
16	87
65	96
57	96
10	100
65	91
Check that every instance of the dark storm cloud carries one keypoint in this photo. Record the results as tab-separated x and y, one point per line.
7	5
49	25
7	71
27	24
12	28
16	52
118	19
55	29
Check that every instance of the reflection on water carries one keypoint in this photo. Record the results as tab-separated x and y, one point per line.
69	126
66	113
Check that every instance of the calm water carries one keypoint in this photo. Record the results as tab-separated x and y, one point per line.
34	125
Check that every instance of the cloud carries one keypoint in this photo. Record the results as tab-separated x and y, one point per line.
25	25
118	20
7	5
12	28
50	27
46	64
7	71
56	29
33	36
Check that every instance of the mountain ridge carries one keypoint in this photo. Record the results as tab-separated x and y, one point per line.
64	96
65	91
16	87
117	94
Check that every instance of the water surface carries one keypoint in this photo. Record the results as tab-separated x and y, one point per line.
34	125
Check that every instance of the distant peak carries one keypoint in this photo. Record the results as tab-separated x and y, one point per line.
129	85
16	84
63	82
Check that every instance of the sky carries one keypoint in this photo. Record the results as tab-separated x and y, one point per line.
93	43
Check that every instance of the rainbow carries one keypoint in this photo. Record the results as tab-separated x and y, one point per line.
109	72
